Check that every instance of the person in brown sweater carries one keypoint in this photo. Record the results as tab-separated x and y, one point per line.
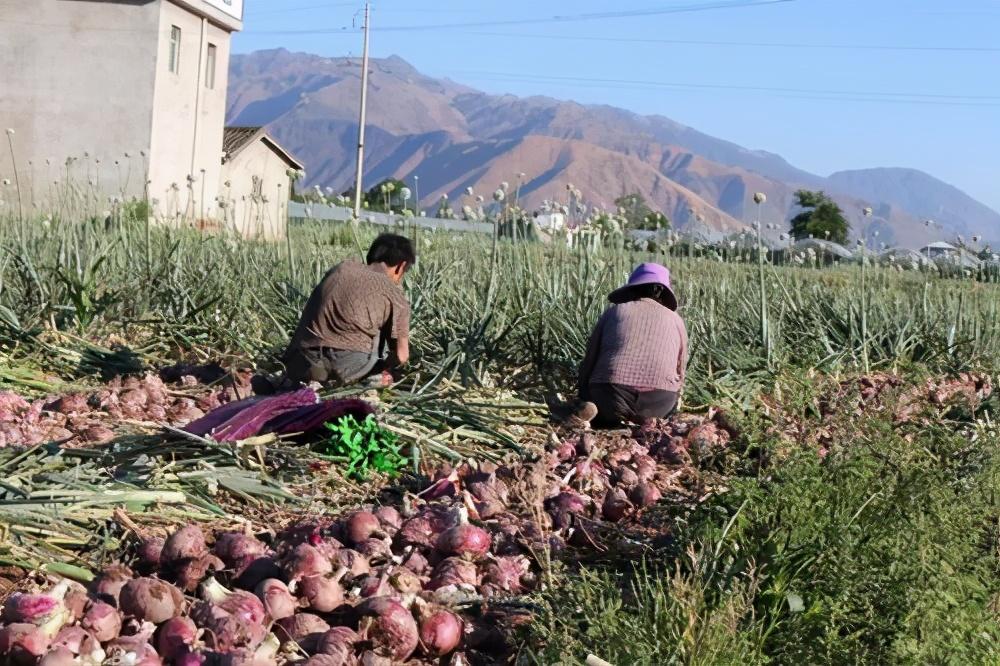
352	316
636	358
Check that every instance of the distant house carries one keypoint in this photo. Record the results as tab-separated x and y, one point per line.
125	97
256	184
938	250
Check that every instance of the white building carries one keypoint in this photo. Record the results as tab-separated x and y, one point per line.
256	183
118	96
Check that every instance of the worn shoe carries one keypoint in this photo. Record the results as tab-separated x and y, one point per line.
581	417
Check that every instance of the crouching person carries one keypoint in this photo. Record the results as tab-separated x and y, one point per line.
356	323
636	358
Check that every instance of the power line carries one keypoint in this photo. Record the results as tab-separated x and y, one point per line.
283	10
787	45
799	93
569	18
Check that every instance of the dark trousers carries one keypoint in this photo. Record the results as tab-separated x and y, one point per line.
617	404
334	367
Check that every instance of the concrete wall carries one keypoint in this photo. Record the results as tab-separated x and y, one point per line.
188	117
250	214
76	77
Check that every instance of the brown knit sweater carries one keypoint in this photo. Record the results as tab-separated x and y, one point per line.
640	344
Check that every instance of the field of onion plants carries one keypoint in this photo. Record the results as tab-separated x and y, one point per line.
828	493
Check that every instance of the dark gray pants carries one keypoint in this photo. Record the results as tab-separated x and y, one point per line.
334	367
617	404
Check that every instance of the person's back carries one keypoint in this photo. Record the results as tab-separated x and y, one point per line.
642	345
352	315
636	357
349	309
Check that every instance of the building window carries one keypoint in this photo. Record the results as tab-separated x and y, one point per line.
175	49
210	61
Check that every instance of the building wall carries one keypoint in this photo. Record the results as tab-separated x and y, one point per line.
188	117
248	213
76	78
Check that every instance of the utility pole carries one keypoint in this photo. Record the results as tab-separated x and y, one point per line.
361	120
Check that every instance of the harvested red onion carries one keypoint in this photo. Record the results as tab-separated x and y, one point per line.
626	476
226	631
23	643
440	632
265	654
175	637
453	571
389	626
71	638
645	495
417	563
278	601
32	608
564	505
103	621
190	573
149	552
389	518
150	600
405	581
58	656
258	571
340	658
305	629
190	659
616	505
186	543
355	563
108	584
133	650
322	594
361	525
241	603
306	561
237	550
465	540
336	640
506	573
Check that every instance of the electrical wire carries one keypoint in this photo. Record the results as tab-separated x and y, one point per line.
569	18
784	45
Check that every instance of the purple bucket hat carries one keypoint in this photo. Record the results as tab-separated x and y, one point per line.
648	273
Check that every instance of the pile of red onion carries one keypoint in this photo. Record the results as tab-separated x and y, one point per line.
429	580
177	396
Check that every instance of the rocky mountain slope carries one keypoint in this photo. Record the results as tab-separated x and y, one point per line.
453	137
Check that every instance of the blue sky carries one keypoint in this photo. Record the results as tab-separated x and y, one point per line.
818	99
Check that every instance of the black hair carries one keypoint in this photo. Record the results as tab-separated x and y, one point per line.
392	250
656	292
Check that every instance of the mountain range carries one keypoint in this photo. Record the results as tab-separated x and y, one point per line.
445	137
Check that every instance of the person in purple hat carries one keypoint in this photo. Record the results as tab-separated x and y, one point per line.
636	359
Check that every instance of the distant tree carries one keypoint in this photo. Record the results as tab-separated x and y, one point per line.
822	218
387	195
638	213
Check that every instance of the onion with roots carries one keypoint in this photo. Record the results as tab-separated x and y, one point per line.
360	526
465	540
150	600
322	594
175	637
23	643
277	599
58	656
616	505
453	571
645	495
440	632
188	574
150	551
186	543
231	619
355	563
389	518
305	629
389	626
108	584
306	561
238	550
338	640
103	621
265	654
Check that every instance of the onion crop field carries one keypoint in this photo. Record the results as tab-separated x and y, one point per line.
829	492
